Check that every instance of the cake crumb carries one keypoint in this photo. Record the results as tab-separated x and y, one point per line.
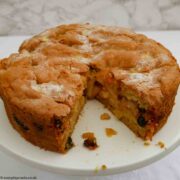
161	144
88	135
146	143
89	141
105	116
96	169
103	167
110	132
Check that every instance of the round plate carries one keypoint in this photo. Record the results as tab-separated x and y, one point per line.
120	153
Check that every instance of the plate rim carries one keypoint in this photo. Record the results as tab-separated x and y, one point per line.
92	172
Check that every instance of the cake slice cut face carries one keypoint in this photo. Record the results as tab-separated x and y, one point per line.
44	87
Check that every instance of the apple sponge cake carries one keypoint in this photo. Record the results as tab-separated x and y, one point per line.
46	84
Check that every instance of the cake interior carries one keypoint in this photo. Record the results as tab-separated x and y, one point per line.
71	121
124	104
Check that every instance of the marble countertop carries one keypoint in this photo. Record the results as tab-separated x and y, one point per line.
19	17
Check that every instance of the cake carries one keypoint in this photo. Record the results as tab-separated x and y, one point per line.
46	84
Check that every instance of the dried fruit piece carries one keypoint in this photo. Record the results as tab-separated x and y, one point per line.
110	132
141	121
142	110
22	125
39	127
85	92
91	144
97	84
89	140
57	122
69	143
105	116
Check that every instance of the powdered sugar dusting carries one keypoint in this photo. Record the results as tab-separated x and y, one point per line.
50	89
145	59
22	55
138	76
164	57
86	32
146	62
82	59
141	78
86	46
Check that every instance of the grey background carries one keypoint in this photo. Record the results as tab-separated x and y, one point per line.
23	17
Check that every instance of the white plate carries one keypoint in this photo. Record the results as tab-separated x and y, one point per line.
120	153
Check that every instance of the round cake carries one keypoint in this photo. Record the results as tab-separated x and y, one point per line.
45	85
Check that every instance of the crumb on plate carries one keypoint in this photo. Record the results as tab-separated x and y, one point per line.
105	116
89	140
161	144
147	143
96	169
103	167
110	132
88	135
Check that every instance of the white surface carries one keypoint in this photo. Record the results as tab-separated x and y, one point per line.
29	17
170	40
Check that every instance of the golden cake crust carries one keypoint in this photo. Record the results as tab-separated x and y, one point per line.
50	73
138	62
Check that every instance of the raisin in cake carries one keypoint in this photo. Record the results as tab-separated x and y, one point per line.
46	84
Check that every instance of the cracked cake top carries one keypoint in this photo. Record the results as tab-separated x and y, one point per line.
50	69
